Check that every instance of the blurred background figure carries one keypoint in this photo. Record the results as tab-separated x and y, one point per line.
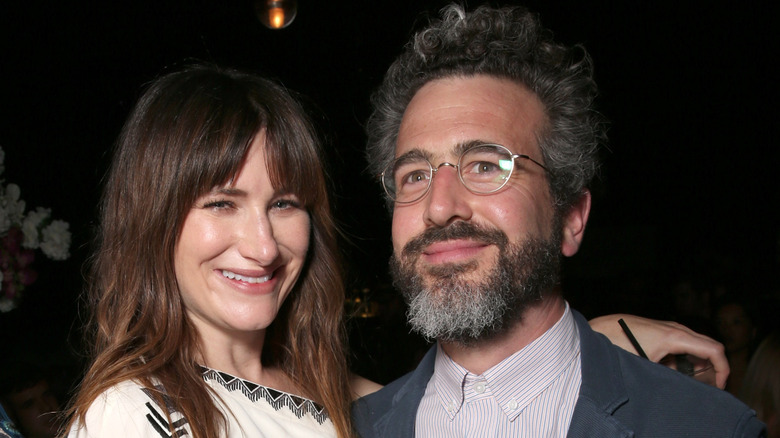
7	427
692	299
761	383
29	401
737	329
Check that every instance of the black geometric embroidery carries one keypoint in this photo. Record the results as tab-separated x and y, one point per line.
157	419
277	399
169	404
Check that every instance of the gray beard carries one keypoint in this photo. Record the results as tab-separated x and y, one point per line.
448	308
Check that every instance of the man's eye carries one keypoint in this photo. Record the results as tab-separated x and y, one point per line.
481	167
415	177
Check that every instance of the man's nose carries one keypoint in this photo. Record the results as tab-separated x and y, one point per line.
448	200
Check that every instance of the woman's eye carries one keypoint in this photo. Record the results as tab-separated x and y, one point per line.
218	205
283	204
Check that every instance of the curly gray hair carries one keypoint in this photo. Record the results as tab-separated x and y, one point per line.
509	43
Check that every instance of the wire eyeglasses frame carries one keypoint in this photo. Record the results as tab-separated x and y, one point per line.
504	164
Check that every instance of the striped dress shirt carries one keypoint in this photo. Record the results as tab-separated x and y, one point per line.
531	393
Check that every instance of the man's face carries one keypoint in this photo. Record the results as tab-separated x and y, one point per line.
453	238
449	112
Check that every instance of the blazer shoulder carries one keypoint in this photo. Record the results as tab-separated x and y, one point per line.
661	397
391	410
651	399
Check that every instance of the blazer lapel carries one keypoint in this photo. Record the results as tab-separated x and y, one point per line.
602	391
400	418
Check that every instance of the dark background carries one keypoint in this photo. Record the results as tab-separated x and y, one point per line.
688	189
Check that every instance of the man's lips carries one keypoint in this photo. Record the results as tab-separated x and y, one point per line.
457	243
452	251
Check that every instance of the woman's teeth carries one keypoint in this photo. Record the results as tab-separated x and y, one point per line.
234	276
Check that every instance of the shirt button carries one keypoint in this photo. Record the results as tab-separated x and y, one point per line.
479	387
450	407
513	405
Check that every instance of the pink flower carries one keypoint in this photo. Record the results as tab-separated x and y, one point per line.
9	288
13	240
5	260
25	258
27	277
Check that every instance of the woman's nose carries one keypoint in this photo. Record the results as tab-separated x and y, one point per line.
258	241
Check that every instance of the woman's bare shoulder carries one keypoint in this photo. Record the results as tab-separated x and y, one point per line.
362	386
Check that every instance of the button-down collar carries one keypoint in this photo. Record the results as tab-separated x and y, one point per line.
514	382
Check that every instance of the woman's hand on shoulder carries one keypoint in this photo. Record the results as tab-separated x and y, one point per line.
659	339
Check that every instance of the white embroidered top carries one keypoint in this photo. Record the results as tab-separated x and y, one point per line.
252	410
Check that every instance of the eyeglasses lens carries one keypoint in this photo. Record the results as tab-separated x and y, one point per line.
409	179
485	169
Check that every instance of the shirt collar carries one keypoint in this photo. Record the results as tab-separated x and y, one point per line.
515	381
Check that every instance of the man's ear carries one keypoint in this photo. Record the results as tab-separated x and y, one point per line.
574	224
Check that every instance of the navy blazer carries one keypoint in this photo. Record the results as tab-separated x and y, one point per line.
622	395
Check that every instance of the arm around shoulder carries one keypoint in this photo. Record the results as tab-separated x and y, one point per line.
661	338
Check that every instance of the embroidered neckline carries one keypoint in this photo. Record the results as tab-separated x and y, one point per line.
277	399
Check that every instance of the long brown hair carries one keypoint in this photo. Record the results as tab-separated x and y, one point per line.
190	132
761	385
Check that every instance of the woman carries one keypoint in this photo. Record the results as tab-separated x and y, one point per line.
761	385
215	264
738	331
215	294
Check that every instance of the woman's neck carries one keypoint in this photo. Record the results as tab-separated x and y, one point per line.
241	355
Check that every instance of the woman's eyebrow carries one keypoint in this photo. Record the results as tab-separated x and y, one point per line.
229	191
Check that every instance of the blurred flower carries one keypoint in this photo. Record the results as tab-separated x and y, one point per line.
32	224
56	240
11	207
20	234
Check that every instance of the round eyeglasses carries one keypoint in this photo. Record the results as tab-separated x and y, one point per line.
483	169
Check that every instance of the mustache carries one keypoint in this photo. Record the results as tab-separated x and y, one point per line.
457	230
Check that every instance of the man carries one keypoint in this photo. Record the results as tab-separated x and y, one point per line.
486	138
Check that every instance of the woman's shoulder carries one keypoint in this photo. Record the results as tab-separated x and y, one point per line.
362	387
122	395
127	409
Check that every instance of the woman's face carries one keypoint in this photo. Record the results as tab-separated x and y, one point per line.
735	328
240	252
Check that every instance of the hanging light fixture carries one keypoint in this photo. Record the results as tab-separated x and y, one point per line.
276	14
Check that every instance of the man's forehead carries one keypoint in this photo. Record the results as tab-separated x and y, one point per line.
429	153
448	115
